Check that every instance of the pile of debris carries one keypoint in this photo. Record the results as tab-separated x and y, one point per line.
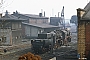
29	56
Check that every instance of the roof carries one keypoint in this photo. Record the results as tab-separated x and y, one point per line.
56	17
42	25
30	15
87	7
86	15
35	16
11	17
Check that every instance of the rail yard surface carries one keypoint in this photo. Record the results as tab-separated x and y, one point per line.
63	52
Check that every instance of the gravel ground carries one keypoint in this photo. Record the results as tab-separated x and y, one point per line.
14	55
62	53
14	51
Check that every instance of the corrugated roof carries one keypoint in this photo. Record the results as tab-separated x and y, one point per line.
11	17
42	25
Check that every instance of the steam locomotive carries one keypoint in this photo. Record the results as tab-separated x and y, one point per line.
47	41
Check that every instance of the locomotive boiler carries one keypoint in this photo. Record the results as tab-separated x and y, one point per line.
47	41
43	43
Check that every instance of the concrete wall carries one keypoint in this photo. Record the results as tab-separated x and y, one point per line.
12	32
5	36
16	32
16	36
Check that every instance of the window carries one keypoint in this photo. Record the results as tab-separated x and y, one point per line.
19	25
0	39
3	39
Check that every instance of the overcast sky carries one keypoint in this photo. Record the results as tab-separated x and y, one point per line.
51	7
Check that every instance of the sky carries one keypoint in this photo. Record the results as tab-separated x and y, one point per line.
51	7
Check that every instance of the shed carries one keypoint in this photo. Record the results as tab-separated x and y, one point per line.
32	30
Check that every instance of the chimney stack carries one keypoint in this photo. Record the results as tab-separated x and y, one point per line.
44	13
40	14
58	14
6	13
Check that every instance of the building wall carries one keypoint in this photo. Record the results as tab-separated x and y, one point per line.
16	36
12	32
5	36
27	30
84	38
87	40
50	29
38	20
32	32
55	21
16	25
16	32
